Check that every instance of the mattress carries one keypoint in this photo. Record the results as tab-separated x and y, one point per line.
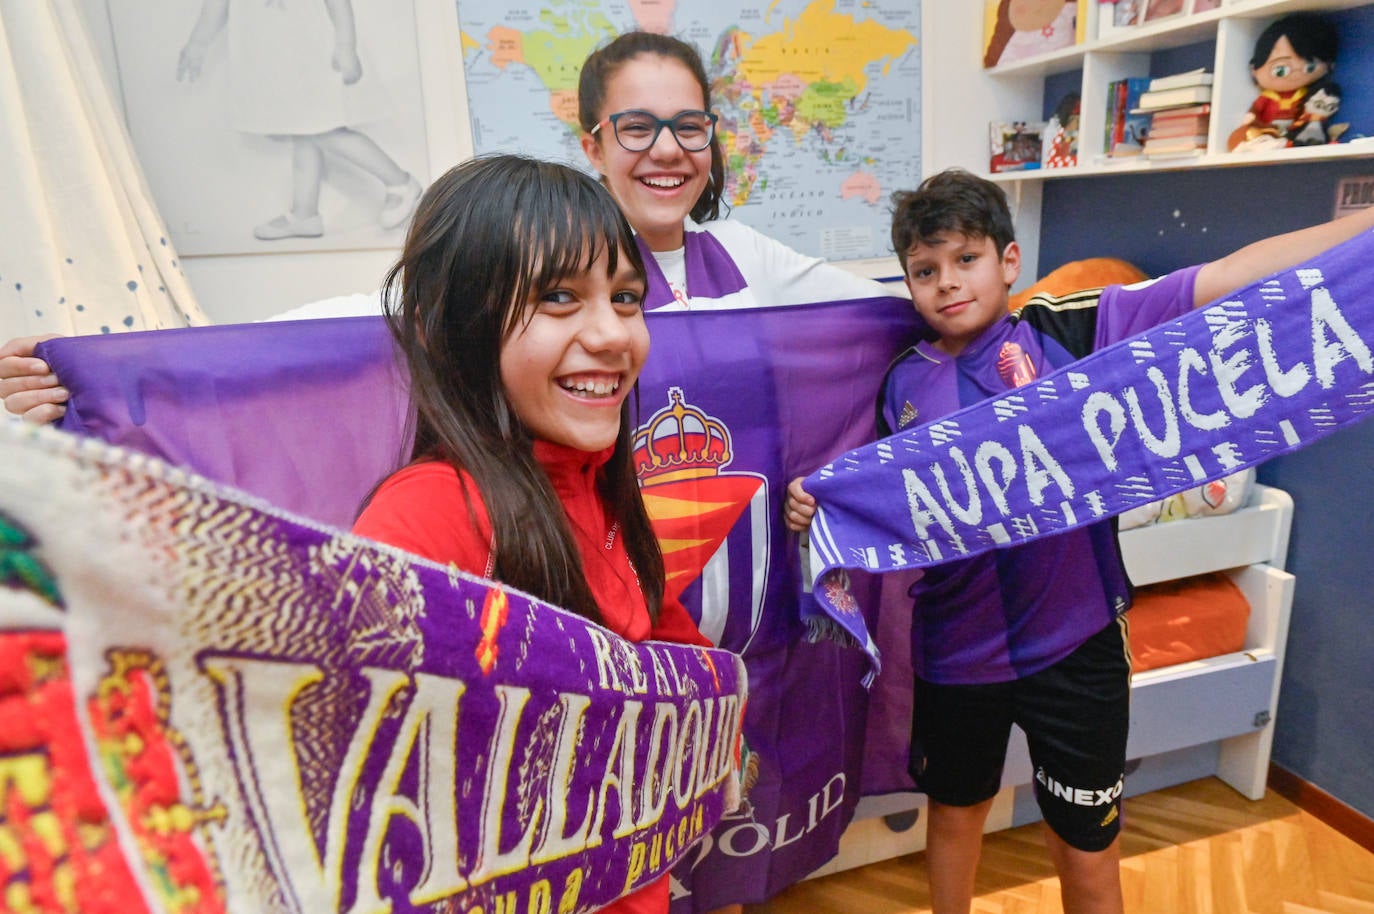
1187	619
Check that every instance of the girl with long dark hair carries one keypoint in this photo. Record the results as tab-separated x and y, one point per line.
517	305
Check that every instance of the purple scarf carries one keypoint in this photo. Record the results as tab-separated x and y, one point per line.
711	271
283	717
1266	370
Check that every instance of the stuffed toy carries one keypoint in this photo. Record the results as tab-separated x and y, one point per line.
1093	273
1312	126
1061	134
1290	57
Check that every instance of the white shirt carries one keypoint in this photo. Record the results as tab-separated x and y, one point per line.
774	274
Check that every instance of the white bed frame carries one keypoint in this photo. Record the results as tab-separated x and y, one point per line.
1188	721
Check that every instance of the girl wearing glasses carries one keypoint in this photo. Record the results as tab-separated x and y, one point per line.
645	108
644	104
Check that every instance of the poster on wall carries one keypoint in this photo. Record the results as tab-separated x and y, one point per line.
1015	31
1353	193
272	125
819	100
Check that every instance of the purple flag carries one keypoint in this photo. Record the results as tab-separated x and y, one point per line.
307	415
755	398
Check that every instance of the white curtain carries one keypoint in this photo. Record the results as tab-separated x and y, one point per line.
82	248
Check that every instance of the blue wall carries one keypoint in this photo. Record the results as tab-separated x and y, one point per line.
1325	733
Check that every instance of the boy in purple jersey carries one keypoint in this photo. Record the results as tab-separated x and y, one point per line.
1033	634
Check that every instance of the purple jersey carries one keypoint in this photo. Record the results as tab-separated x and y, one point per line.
1013	612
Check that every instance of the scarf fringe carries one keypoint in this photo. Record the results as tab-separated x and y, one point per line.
823	628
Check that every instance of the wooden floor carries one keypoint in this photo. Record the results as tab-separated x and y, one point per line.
1199	848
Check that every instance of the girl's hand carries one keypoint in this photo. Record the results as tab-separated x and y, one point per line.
346	62
800	507
27	385
190	62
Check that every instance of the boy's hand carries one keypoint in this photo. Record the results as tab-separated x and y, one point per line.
800	507
27	385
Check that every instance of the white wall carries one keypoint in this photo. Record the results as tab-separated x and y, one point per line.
234	288
957	102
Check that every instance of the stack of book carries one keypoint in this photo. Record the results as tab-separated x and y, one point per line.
1178	131
1179	107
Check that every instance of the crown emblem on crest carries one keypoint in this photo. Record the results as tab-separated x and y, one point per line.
680	442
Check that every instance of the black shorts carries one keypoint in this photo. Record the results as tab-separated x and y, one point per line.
1075	715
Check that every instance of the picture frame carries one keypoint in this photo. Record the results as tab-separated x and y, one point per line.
216	114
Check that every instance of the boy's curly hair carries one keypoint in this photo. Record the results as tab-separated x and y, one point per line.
952	201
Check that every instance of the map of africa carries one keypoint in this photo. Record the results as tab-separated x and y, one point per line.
819	100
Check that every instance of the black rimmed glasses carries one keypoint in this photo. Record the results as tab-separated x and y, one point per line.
637	131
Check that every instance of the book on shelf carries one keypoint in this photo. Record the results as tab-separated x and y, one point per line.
1187	112
1183	145
1175	121
1180	129
1125	129
1176	130
1174	98
1198	77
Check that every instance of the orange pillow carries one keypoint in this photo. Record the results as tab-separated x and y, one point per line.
1092	273
1187	619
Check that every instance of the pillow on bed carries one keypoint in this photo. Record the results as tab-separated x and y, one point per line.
1220	496
1092	273
1187	619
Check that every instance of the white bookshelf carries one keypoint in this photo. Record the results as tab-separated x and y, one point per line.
1111	53
961	97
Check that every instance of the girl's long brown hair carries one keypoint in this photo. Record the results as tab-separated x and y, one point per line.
486	236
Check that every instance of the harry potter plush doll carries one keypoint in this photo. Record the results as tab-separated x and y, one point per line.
1312	126
1290	55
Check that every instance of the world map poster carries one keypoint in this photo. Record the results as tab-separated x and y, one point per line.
819	100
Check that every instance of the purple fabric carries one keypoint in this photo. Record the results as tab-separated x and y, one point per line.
711	271
305	414
1263	371
1127	310
793	386
330	725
